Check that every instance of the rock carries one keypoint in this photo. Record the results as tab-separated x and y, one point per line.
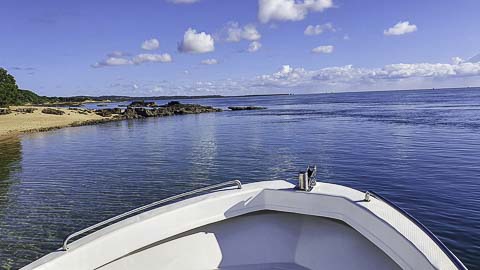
158	112
142	104
108	112
246	108
104	113
178	108
130	113
116	111
145	112
172	108
25	110
53	111
4	111
173	103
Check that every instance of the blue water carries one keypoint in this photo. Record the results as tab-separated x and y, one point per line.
421	149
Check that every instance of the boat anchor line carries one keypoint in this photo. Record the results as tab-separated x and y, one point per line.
148	206
440	244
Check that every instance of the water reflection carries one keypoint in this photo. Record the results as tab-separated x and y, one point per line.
10	163
73	178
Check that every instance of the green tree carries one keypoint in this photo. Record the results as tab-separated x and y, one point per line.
9	93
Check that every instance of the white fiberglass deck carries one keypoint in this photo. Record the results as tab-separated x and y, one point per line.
264	240
265	225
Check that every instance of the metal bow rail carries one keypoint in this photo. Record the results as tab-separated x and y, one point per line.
148	206
435	239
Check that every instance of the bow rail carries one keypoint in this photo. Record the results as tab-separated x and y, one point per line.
148	206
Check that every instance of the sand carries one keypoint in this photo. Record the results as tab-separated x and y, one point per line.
15	123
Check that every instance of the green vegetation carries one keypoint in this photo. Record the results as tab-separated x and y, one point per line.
11	95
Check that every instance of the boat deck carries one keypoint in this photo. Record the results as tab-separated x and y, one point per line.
265	266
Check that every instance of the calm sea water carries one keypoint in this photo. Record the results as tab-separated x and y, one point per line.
421	149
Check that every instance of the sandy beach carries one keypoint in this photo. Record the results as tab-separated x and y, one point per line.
18	122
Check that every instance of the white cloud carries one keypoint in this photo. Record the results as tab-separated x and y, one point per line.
151	44
313	30
194	42
236	33
183	1
120	60
323	49
290	79
254	46
401	28
148	57
289	10
392	76
118	54
210	61
457	60
112	61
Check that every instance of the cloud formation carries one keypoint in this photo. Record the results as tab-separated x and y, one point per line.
210	61
323	49
289	10
313	30
236	33
112	61
290	79
254	46
120	59
347	77
151	44
194	42
148	57
401	28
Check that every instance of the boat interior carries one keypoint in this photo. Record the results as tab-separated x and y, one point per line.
261	240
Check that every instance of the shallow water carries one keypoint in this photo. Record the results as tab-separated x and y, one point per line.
421	149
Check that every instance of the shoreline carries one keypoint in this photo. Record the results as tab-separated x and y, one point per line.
20	122
17	123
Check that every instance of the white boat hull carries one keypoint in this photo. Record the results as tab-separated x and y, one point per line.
265	225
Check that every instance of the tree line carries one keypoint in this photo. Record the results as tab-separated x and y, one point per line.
10	94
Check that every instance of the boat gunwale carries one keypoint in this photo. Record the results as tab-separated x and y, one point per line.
424	228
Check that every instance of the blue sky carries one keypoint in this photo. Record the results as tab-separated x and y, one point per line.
228	47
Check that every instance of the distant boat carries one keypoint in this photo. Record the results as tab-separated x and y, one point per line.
263	225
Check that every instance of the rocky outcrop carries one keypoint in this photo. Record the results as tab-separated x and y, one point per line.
25	110
130	113
81	111
245	108
108	112
53	111
142	103
171	108
4	111
177	108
